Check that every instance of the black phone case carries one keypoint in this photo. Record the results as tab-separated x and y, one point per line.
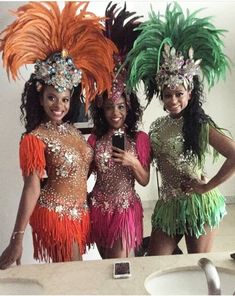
118	141
122	268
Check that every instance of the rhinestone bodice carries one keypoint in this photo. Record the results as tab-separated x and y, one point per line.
114	187
167	144
68	158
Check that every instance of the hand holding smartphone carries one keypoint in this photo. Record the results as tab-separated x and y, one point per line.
121	270
118	139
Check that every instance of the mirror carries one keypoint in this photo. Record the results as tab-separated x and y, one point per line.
220	105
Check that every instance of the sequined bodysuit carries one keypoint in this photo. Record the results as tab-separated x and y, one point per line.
167	145
116	210
63	198
114	188
173	209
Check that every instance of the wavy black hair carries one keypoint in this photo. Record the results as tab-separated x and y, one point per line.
32	112
194	118
133	118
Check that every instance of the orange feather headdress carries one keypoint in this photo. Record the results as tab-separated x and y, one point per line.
75	36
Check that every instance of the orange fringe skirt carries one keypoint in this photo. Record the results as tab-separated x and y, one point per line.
54	236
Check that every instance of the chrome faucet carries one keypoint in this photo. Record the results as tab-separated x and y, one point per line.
212	276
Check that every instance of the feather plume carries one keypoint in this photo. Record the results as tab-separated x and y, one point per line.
182	32
40	29
121	27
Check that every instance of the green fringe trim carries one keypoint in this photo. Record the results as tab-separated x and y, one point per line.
188	215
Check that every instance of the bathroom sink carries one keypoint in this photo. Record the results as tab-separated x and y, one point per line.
187	281
11	286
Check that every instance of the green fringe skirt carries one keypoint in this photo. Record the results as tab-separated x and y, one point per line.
189	214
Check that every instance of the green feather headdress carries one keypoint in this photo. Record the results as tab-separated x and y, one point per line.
182	32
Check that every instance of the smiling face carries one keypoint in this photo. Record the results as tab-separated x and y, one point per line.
55	104
115	112
175	101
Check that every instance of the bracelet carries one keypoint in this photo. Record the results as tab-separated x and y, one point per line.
15	233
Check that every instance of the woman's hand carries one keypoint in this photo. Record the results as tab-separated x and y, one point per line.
199	186
128	159
123	157
12	254
195	185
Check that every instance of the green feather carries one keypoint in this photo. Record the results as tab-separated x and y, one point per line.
181	31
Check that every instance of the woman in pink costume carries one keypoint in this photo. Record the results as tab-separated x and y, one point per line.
116	210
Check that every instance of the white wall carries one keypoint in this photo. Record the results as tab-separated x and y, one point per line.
220	105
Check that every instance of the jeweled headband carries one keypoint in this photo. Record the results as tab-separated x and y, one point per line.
59	71
175	70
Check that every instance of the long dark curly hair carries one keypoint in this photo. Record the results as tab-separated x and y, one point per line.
194	118
133	118
32	112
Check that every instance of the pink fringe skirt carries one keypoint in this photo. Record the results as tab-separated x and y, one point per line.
127	225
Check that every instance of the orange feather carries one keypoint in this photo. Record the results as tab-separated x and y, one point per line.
41	29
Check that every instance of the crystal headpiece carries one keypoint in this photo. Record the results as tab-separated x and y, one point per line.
175	70
59	71
119	81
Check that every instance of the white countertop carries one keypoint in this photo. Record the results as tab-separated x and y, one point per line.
95	277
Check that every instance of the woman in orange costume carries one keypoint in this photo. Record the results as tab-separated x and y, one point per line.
54	156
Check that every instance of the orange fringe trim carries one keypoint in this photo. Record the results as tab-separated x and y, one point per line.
32	157
54	236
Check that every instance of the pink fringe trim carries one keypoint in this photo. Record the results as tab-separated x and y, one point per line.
107	227
143	149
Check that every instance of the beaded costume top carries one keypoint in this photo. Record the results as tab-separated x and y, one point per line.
61	153
114	188
167	144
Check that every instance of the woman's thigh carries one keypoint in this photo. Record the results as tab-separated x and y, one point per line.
162	244
118	250
203	244
76	256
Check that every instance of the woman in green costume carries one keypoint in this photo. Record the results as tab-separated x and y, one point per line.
170	53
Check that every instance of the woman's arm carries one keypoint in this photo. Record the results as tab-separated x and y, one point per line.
29	197
141	174
226	147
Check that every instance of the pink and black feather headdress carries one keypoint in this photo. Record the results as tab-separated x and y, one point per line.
120	26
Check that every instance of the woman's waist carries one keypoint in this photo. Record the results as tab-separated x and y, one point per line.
114	186
63	204
65	191
174	182
107	191
170	192
113	201
59	181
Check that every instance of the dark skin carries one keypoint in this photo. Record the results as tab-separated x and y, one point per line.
56	105
115	113
175	101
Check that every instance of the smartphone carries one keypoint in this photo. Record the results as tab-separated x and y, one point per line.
121	270
118	140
